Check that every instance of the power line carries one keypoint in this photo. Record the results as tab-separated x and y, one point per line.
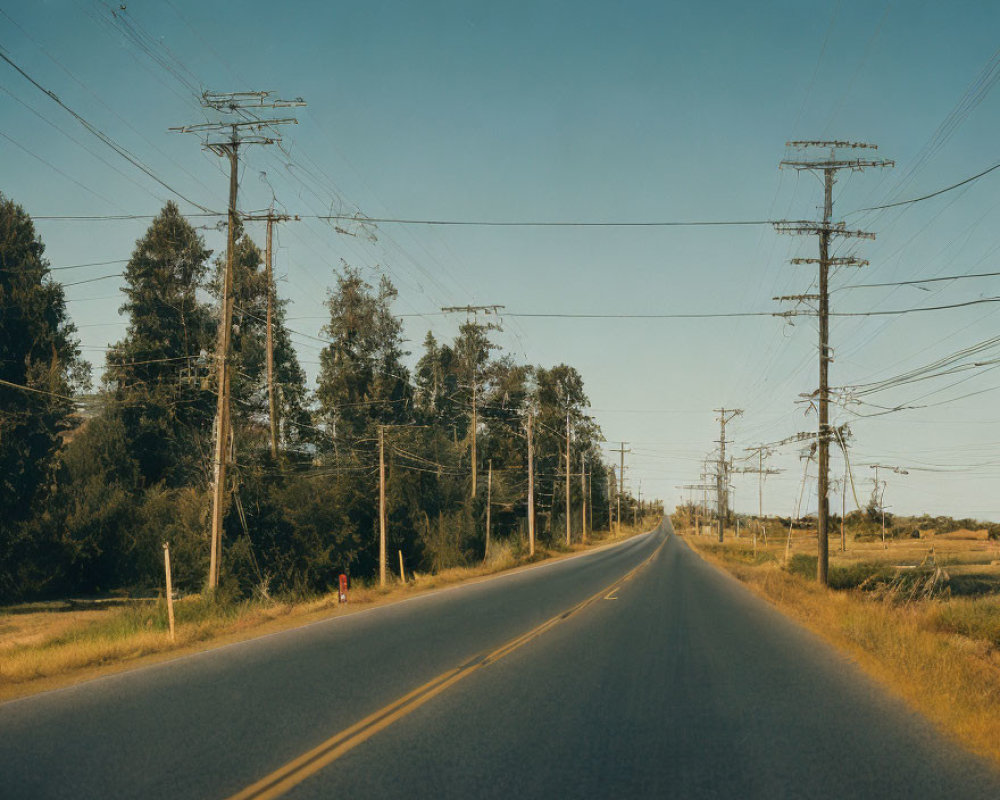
932	194
24	388
122	151
93	280
542	224
110	217
918	282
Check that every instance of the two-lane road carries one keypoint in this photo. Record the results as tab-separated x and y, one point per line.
674	682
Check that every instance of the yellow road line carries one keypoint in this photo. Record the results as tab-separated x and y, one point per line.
296	771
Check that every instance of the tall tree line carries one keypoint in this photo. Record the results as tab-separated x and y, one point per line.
86	501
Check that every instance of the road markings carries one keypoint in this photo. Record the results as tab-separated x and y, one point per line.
299	769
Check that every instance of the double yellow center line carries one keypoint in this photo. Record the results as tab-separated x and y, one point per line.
296	771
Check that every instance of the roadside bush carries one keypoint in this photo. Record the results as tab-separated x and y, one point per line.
802	565
852	576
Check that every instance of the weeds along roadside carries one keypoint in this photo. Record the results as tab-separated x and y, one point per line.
941	654
99	642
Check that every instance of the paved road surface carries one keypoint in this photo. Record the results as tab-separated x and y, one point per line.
676	683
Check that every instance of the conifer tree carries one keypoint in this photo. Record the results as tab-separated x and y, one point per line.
158	376
362	380
40	368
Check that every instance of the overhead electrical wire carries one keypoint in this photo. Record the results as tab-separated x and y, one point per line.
121	150
975	177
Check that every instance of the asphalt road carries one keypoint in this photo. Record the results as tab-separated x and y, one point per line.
675	683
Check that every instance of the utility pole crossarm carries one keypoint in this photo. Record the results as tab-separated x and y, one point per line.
820	229
857	164
249	124
238	101
834	143
839	261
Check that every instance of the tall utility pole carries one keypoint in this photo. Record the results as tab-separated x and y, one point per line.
621	483
383	522
879	498
471	313
241	105
272	403
760	451
611	497
828	165
637	511
583	495
699	510
722	468
489	502
705	489
569	518
531	489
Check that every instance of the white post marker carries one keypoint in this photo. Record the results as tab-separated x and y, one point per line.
170	589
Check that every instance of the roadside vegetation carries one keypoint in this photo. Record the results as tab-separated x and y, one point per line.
44	645
921	613
96	479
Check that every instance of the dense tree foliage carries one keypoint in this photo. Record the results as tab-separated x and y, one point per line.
136	472
40	368
157	377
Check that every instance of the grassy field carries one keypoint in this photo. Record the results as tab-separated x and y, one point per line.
48	645
922	616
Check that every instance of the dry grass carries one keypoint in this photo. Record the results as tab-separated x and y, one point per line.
941	655
44	649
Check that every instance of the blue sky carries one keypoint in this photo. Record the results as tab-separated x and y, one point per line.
570	111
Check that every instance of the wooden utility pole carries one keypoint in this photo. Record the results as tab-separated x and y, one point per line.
489	501
583	496
704	491
222	363
382	521
569	518
590	497
637	511
272	402
170	589
471	313
760	451
879	498
611	498
621	484
843	512
272	405
475	425
531	490
828	166
722	468
704	488
242	104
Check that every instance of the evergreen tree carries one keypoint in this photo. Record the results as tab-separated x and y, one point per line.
249	352
362	380
40	368
158	376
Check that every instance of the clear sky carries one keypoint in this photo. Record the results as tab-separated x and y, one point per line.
629	111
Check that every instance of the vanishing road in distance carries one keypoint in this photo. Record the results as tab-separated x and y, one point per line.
636	670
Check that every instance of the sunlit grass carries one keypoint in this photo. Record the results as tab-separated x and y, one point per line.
941	654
